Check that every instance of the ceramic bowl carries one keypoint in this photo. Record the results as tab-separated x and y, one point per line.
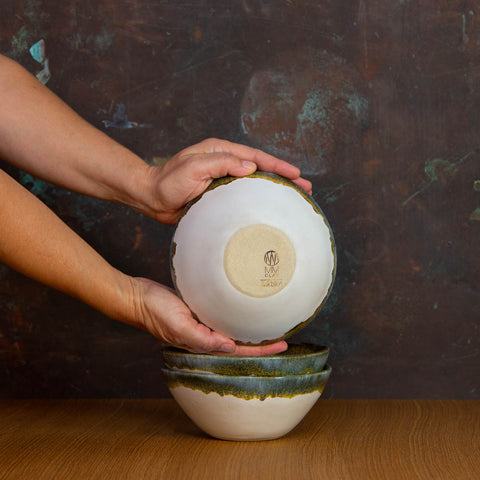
253	258
297	360
245	408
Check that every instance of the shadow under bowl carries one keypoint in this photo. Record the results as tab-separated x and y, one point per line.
245	408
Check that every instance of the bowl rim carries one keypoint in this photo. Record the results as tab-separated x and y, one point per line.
326	370
323	350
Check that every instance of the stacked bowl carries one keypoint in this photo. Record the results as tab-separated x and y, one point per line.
254	259
247	398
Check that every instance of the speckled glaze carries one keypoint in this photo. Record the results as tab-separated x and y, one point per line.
245	408
297	360
199	243
248	387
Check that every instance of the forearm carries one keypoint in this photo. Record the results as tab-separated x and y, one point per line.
43	136
34	241
40	134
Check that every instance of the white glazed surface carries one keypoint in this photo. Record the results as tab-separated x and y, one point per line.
202	235
234	418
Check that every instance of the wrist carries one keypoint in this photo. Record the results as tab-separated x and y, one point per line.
122	300
133	185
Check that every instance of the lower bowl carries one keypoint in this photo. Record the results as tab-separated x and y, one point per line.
245	408
297	360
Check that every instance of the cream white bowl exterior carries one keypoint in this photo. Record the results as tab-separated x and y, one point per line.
198	256
235	418
245	407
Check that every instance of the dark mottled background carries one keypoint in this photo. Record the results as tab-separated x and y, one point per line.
377	101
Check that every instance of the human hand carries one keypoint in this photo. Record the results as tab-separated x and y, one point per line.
159	311
190	172
169	188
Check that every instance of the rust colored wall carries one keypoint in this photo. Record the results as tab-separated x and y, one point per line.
377	101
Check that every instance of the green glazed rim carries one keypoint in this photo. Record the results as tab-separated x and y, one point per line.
283	181
248	387
299	359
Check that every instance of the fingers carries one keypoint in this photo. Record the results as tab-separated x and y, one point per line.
165	316
255	351
196	337
304	184
262	160
213	343
203	340
220	164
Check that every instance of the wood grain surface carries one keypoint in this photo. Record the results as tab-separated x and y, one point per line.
338	439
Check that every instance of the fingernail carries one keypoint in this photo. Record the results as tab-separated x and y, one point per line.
227	348
248	165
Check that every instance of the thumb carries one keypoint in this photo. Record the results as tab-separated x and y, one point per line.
247	166
221	164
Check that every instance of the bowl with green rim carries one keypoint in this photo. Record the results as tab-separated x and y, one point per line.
254	258
297	360
245	408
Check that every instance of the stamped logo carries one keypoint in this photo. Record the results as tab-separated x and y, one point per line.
271	258
259	260
272	269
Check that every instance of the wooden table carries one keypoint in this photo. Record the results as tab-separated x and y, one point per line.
338	439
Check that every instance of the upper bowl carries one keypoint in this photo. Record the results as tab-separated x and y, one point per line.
297	360
253	258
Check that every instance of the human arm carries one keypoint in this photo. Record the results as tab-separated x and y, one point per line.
34	241
40	134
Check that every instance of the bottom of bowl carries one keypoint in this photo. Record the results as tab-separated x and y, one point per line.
245	408
234	418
